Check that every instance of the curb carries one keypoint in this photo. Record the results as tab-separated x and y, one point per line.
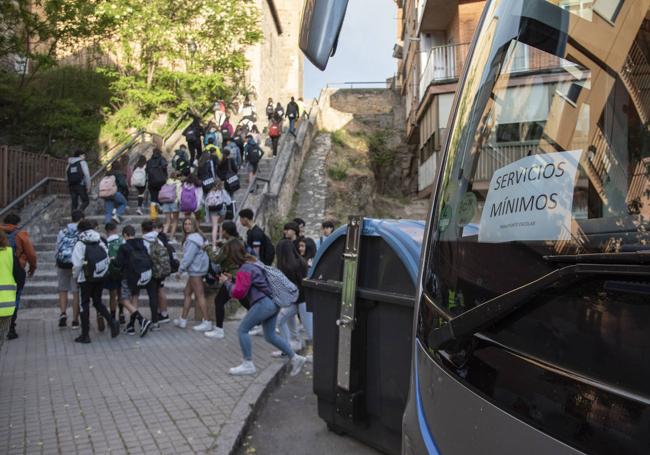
231	434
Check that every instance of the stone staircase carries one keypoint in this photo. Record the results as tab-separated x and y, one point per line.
41	291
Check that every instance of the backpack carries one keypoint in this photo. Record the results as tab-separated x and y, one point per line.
213	199
232	182
209	135
114	273
160	260
139	177
274	130
139	268
107	187
96	262
214	150
206	173
75	174
188	198
167	194
157	174
19	273
283	292
255	154
65	248
180	162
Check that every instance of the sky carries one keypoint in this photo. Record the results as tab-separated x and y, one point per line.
365	47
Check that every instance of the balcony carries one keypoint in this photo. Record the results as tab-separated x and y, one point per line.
436	14
444	64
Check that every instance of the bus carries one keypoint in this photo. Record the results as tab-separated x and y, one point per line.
531	329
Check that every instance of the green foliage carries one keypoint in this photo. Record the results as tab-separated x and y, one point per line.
382	157
338	170
338	138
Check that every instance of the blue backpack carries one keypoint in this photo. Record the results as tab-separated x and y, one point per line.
65	247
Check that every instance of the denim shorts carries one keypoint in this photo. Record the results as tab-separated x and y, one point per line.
169	207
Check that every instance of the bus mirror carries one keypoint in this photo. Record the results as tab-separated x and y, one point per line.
321	24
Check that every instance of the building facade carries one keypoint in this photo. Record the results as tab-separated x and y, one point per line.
435	37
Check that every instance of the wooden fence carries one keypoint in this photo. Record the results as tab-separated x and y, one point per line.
20	170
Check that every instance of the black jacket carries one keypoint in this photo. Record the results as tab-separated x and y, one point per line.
292	110
226	167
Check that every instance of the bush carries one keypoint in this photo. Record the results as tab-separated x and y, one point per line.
338	138
338	170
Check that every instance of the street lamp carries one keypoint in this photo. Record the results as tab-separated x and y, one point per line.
191	47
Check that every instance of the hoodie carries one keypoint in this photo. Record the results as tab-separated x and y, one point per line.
149	238
79	253
84	168
195	259
24	247
250	282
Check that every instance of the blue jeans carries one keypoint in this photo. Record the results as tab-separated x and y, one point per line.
263	312
109	204
292	125
287	316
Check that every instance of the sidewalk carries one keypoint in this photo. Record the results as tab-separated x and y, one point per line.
166	393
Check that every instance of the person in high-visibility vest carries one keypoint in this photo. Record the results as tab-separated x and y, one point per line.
7	281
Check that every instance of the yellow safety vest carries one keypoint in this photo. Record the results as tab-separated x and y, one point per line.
7	283
213	149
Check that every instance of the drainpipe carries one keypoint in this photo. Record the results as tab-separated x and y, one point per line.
276	16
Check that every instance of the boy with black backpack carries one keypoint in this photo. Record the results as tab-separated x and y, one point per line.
90	268
252	155
163	315
135	265
78	178
65	243
113	242
160	266
156	174
180	161
257	242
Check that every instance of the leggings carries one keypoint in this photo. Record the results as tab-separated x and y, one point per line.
220	301
141	190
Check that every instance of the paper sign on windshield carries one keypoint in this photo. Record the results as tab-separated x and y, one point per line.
531	199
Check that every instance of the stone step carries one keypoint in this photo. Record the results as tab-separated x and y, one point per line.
51	300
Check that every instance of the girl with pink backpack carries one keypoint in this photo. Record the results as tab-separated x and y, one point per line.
191	197
169	197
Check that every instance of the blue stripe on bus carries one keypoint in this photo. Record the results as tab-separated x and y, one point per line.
425	433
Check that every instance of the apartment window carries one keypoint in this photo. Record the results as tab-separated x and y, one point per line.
519	132
429	148
607	9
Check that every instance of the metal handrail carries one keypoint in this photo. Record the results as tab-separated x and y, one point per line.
44	181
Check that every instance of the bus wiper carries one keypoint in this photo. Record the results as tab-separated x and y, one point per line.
633	257
493	310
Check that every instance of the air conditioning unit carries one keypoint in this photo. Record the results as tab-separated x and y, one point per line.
398	51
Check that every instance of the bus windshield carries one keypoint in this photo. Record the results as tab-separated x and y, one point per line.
549	148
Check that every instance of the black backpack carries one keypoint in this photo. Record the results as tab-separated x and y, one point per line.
267	251
254	154
173	257
157	174
75	174
139	268
206	173
180	162
96	262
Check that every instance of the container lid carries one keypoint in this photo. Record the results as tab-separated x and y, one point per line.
403	236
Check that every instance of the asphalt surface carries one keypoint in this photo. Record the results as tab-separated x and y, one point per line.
288	423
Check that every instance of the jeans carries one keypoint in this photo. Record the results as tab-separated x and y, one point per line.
274	143
79	192
292	125
263	312
92	291
109	205
286	314
15	315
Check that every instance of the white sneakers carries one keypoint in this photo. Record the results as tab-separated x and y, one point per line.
256	331
180	323
297	362
278	354
204	326
246	368
296	345
217	332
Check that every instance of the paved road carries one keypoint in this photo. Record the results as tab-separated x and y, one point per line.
288	423
166	393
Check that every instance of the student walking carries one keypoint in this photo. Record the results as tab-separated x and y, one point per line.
195	262
163	315
135	266
180	161
193	135
114	278
257	241
90	267
275	131
66	240
227	129
8	282
251	284
160	266
270	109
219	111
114	190
216	205
24	250
279	112
295	268
139	180
169	197
191	197
78	178
252	155
156	174
293	112
227	173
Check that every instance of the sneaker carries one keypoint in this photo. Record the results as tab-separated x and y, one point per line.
246	368
100	323
309	353
297	362
117	219
122	319
180	323
217	332
63	320
74	325
155	326
129	330
144	327
82	339
296	345
115	328
204	326
163	319
278	354
139	211
256	331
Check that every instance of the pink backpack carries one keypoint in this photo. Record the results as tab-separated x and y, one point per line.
167	194
188	198
107	187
